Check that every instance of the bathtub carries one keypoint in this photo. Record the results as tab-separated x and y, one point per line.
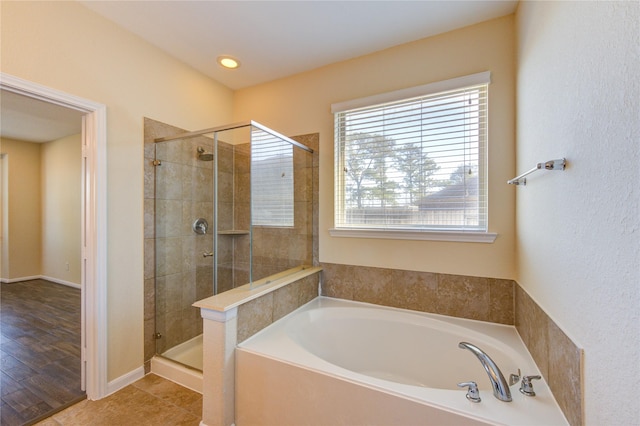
338	362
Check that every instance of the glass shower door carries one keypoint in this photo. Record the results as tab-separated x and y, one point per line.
184	216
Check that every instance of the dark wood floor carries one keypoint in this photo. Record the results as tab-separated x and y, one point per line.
39	350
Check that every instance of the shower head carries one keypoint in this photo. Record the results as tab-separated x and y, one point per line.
204	155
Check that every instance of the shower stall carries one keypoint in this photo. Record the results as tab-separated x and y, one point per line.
232	206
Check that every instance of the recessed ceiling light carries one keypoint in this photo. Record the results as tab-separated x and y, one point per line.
228	62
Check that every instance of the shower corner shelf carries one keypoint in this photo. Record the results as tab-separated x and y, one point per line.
233	232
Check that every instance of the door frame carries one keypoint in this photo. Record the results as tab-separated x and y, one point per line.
94	226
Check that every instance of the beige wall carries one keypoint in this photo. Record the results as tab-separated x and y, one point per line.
61	208
301	104
23	236
578	250
65	46
43	222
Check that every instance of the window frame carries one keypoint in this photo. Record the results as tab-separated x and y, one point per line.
409	233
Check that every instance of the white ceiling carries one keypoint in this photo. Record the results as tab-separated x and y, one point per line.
275	39
27	119
272	39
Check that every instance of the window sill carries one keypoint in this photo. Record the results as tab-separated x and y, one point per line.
402	234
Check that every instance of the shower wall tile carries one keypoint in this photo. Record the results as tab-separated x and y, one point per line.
169	152
204	278
302	187
168	218
242	187
188	292
168	256
149	299
225	277
225	187
149	218
242	215
225	158
225	215
149	258
149	178
169	181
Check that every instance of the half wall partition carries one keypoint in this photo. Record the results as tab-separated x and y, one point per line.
233	205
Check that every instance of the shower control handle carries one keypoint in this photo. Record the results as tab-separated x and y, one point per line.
207	254
200	226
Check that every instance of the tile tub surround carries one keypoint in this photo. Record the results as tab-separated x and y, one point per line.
558	358
485	299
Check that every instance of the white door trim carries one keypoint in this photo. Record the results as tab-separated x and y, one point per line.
94	225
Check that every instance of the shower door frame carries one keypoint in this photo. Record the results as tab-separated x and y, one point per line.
94	227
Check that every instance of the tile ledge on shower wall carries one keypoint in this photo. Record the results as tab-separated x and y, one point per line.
233	298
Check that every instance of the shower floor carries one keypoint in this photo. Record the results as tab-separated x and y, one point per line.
188	353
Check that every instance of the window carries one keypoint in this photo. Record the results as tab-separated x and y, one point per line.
271	180
413	161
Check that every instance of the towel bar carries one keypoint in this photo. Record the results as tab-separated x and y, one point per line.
547	165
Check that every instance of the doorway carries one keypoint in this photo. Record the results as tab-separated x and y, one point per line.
93	225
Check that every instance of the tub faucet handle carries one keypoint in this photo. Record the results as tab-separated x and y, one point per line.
514	378
473	394
527	387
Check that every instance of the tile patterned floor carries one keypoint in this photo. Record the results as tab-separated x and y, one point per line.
151	400
39	350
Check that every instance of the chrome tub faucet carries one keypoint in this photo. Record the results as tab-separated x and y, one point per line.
498	382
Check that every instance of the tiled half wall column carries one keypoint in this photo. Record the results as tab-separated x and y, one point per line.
225	328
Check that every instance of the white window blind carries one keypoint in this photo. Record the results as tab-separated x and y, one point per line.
271	180
416	163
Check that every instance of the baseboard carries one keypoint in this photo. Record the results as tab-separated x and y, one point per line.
40	277
15	280
125	380
59	281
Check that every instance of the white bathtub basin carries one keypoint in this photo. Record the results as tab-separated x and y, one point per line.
398	353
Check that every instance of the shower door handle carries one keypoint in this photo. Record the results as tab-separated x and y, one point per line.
207	254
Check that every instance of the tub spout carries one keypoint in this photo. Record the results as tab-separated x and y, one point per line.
498	382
